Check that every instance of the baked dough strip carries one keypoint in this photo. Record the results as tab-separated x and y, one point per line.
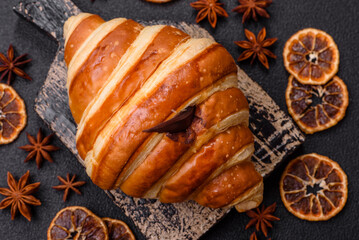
72	23
232	187
89	46
99	65
77	30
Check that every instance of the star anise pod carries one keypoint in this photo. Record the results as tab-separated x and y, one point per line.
68	184
39	148
18	195
252	8
256	47
262	218
253	236
11	66
210	8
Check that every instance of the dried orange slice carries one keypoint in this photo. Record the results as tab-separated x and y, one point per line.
118	230
311	56
314	187
12	114
315	107
77	223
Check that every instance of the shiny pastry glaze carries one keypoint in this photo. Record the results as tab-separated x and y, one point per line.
80	34
167	152
124	78
229	185
159	49
200	166
187	80
99	66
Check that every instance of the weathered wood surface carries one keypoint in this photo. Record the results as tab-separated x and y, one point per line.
275	134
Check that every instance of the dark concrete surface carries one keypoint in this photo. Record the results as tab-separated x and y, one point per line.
339	18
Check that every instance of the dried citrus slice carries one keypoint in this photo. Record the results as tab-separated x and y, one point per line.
317	107
12	114
77	223
314	187
118	230
312	56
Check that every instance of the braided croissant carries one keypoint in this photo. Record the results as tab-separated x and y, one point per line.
124	78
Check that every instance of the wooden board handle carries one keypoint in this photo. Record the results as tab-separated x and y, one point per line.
49	15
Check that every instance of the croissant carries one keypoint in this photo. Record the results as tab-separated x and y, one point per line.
125	80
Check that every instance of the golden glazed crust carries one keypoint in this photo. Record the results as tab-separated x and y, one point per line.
168	151
124	83
176	87
95	71
200	166
124	78
225	188
145	149
80	31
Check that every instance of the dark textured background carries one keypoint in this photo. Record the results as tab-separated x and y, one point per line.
339	18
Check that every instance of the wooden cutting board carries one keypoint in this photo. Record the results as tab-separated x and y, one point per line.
275	134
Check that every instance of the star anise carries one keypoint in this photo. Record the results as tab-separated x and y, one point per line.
250	8
68	184
18	195
39	148
11	66
253	236
210	8
256	47
262	218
